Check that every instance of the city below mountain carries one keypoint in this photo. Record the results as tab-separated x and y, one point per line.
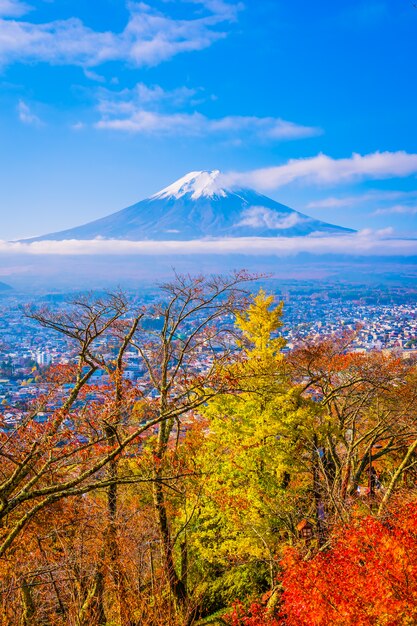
197	206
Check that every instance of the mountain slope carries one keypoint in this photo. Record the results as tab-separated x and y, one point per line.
195	207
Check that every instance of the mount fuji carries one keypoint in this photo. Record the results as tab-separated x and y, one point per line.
197	206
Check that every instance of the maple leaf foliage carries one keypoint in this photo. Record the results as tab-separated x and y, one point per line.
367	577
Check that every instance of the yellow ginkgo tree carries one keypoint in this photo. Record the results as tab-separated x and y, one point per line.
251	462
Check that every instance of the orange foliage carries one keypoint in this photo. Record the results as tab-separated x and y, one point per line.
368	577
255	615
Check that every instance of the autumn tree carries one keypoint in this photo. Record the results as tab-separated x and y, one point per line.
253	487
165	499
365	417
367	577
78	438
184	358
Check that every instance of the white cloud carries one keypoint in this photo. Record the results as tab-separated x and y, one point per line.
364	243
13	8
26	116
281	129
149	109
146	94
60	42
324	170
78	126
150	122
348	201
98	78
127	102
262	217
149	37
397	209
267	127
123	116
219	7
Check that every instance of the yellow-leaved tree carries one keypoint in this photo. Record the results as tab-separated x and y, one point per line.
253	478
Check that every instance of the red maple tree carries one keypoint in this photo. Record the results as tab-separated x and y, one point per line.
367	577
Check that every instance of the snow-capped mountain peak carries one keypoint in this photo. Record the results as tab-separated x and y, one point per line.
197	207
204	184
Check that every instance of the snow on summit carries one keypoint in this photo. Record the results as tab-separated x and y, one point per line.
198	184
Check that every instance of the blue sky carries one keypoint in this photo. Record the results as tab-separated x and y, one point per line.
104	102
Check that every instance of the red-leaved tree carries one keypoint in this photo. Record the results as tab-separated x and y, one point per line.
368	577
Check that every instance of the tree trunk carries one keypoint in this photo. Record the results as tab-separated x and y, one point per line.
317	492
28	605
92	610
176	584
394	480
112	545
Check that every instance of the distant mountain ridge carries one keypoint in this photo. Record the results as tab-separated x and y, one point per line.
197	207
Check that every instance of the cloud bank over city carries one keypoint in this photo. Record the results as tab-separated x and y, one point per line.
364	243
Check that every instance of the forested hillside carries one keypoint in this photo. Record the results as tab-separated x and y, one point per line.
236	484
